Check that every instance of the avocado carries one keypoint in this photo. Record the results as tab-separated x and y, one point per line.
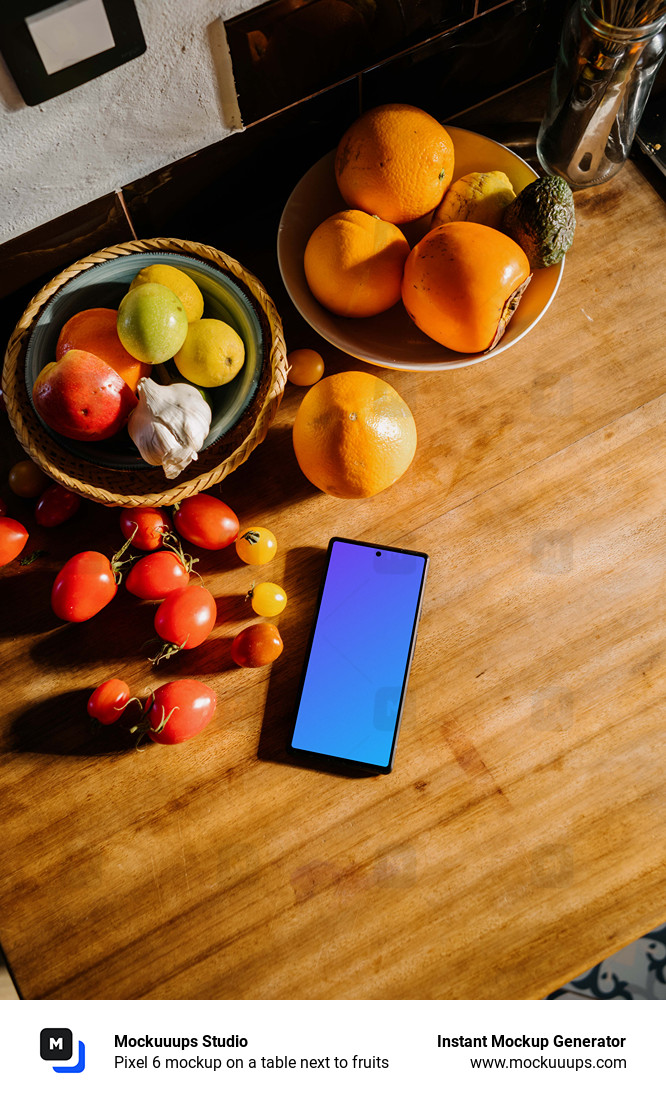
542	220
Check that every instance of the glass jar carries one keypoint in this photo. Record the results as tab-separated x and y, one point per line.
602	79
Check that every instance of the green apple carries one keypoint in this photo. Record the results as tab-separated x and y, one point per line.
152	323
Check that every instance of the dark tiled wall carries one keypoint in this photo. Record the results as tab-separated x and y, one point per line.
472	62
284	51
442	55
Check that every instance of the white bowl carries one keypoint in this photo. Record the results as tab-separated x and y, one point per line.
391	339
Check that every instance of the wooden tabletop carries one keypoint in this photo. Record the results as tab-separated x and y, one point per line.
521	836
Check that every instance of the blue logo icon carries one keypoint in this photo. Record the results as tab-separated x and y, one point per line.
56	1045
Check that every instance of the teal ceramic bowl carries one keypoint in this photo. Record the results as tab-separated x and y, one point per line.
112	472
105	284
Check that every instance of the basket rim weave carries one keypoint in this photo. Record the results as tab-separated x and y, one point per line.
58	463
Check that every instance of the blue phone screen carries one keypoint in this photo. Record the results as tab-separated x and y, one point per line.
359	658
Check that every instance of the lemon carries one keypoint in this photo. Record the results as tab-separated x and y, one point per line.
212	354
179	282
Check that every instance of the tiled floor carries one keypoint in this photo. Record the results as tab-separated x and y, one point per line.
637	973
7	990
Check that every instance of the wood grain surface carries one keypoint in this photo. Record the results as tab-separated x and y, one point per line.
521	836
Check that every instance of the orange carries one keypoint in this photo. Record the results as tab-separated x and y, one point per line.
353	435
395	161
354	262
94	330
462	282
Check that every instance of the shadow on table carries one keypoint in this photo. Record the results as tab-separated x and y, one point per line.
122	627
271	475
25	599
55	726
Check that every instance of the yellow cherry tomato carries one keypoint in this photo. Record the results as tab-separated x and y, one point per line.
256	545
268	599
305	366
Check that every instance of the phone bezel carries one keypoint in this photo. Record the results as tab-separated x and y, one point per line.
327	762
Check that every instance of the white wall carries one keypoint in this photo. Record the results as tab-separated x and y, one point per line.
173	100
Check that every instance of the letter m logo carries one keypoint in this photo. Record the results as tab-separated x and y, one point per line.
55	1044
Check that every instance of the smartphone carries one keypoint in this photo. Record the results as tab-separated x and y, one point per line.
359	655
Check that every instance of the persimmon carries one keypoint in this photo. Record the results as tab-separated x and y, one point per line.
461	284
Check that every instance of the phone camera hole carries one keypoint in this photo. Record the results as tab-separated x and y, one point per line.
379	553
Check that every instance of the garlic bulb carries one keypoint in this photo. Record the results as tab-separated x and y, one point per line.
169	424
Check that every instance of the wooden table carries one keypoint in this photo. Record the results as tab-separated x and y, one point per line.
521	836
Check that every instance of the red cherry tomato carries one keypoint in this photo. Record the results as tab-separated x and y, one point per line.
186	617
145	526
13	537
56	505
156	575
85	584
259	644
27	479
108	701
179	710
206	521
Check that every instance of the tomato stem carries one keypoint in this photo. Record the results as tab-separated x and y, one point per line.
33	557
169	649
119	565
173	543
132	699
121	709
145	727
163	720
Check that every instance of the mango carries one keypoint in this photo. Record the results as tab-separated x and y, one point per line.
477	197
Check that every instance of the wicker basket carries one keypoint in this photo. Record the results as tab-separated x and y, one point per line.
123	488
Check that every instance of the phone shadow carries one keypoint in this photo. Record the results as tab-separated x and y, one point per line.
302	577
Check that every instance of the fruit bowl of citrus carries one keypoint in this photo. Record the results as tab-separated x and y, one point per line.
146	372
420	246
